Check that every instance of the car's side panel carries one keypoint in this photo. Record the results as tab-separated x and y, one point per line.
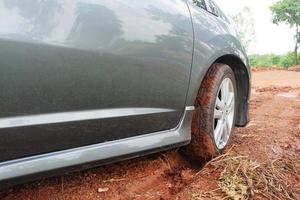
214	38
23	170
82	72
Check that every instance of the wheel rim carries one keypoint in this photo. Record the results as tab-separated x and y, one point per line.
224	113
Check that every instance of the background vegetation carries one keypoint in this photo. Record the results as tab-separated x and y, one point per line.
288	11
283	11
283	61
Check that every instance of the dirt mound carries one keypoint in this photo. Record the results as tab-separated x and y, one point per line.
266	69
295	69
274	89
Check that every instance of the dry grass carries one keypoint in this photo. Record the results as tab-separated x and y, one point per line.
242	178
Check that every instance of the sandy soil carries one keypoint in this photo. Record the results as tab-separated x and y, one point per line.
273	132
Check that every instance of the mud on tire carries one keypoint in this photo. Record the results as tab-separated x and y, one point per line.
203	146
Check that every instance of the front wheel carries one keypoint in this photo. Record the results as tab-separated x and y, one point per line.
214	116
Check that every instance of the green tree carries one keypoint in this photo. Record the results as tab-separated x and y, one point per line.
288	11
244	23
287	60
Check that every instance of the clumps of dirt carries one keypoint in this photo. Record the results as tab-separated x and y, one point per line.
178	179
242	178
178	174
264	69
297	132
295	124
274	89
295	68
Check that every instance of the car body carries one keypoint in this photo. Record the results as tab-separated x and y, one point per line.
89	82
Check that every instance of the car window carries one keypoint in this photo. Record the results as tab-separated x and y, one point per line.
212	7
200	3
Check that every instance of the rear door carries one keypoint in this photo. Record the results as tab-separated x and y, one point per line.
81	72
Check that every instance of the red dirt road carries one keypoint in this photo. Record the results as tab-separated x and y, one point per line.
274	131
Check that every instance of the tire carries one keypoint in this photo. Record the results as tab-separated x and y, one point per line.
206	127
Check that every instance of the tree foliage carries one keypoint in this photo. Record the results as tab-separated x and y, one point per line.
288	11
244	23
272	60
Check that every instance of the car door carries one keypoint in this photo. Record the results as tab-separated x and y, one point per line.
80	72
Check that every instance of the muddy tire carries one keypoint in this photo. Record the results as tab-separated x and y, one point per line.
213	114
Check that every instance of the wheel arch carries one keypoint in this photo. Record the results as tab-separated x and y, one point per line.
242	75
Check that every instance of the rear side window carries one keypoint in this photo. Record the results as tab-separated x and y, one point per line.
200	3
212	8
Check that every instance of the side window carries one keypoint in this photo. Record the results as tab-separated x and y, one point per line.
213	8
200	3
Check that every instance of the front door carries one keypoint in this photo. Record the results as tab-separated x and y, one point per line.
81	72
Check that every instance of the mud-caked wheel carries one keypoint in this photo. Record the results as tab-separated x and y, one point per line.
214	116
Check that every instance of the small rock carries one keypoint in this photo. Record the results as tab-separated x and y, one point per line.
101	190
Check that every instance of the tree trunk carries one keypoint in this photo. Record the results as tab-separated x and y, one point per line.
296	54
296	46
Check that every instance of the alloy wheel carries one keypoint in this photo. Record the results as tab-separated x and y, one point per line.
224	113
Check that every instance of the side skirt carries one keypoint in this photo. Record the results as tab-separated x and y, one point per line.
106	152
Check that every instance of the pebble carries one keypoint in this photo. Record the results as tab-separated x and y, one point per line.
101	190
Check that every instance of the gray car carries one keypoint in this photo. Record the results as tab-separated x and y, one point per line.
90	82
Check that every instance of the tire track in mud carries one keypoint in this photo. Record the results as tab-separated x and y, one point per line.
158	176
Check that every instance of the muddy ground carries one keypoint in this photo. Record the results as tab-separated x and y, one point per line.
274	131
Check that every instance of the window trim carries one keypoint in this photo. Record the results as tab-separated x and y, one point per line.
208	8
205	4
